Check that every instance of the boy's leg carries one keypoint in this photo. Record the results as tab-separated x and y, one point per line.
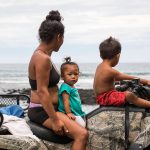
132	98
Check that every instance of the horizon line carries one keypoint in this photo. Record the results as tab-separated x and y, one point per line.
61	62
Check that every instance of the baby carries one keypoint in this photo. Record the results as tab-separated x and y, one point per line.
69	100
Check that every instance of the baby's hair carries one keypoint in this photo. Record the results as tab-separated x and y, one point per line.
67	62
67	59
109	48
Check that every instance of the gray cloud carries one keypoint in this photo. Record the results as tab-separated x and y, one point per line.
87	24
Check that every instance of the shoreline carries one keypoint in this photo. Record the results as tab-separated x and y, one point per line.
87	95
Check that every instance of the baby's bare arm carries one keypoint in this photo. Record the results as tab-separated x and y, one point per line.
66	102
67	106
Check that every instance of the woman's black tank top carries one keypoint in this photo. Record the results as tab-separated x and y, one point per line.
53	79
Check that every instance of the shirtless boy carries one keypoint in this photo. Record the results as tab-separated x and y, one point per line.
106	75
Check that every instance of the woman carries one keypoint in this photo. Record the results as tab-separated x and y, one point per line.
43	78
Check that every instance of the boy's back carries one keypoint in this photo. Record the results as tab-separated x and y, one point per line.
104	78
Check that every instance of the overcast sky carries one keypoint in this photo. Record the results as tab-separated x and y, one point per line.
87	23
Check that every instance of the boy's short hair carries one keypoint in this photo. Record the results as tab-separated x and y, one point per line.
109	48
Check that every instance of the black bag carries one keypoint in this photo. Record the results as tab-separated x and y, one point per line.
1	119
136	146
134	86
3	131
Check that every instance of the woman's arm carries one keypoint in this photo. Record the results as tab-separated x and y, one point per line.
42	70
67	106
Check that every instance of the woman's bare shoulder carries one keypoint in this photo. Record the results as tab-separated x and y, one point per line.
41	60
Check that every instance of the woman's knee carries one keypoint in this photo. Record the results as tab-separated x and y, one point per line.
83	134
77	132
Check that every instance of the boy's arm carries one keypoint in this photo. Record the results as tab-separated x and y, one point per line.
121	76
65	97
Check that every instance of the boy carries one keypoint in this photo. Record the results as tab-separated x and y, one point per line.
106	75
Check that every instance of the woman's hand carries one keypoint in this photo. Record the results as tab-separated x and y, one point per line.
59	127
71	116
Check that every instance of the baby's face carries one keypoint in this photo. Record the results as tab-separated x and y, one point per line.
71	74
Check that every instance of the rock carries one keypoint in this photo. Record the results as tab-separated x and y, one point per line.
87	95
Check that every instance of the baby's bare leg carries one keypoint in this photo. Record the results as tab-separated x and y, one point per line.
132	98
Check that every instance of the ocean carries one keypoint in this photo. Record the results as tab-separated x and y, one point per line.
15	76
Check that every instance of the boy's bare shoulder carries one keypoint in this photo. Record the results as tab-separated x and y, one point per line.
114	71
105	68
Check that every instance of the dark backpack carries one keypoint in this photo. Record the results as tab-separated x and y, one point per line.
134	86
1	119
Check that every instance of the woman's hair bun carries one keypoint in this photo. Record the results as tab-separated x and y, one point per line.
67	59
54	15
110	39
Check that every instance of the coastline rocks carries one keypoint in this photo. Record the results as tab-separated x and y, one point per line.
87	95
